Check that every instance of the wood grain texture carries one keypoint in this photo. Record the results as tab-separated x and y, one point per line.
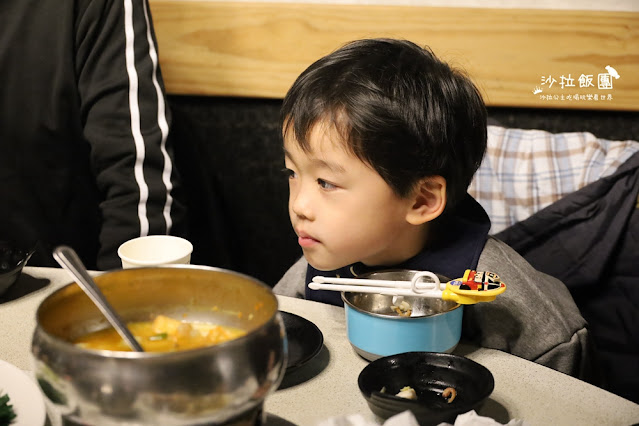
258	49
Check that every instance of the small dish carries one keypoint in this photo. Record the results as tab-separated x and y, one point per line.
24	396
429	374
12	260
305	340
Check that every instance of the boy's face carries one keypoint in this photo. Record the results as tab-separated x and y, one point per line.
341	209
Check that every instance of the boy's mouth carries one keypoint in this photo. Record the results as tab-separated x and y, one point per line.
306	240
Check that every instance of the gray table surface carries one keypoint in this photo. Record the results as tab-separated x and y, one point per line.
327	386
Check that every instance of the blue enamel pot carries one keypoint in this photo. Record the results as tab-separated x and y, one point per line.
377	325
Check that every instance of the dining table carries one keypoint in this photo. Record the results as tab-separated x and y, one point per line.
325	388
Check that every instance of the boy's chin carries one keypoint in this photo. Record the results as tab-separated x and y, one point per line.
324	266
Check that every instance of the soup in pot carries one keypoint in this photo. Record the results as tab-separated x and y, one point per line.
163	334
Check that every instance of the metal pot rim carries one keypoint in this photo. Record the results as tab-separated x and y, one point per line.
394	317
103	353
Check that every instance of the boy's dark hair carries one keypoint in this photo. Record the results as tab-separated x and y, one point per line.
398	108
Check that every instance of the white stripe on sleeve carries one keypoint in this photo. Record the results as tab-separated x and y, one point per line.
163	124
135	117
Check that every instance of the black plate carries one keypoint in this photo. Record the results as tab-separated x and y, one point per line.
428	373
305	340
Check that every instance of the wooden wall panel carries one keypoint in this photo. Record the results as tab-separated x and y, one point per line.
257	49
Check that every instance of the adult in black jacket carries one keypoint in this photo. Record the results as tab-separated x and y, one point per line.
84	159
590	240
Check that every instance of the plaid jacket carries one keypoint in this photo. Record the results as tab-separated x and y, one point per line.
525	171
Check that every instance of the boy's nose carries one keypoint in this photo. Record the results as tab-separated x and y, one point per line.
301	205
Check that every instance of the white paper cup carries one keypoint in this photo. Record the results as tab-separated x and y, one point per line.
154	250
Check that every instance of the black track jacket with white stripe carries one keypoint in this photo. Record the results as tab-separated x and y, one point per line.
84	159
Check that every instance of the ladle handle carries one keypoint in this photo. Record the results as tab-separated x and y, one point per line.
69	260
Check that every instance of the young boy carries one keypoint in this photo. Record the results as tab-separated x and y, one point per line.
381	142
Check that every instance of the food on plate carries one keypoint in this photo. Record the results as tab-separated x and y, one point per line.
449	394
403	309
7	415
163	334
407	392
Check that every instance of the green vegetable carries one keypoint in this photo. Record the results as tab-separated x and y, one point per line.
160	336
52	393
6	411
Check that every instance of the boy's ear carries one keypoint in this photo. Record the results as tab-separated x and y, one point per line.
429	200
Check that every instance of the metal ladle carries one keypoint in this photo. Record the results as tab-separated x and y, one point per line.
69	260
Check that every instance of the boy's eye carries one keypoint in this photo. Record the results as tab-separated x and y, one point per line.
289	173
325	185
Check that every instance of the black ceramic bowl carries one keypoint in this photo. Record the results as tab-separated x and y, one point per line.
429	374
12	260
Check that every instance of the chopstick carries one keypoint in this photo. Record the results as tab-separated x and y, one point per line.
415	287
378	283
393	291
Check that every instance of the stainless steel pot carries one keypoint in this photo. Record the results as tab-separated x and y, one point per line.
209	385
375	330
